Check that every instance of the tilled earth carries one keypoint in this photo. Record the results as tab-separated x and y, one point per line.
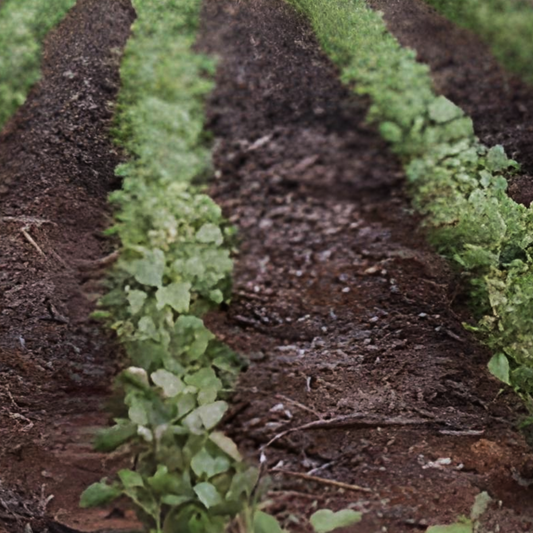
56	168
353	325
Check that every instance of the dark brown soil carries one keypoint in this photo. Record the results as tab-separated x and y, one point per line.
342	307
56	169
466	72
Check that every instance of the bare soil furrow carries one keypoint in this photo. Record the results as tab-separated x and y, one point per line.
341	305
56	169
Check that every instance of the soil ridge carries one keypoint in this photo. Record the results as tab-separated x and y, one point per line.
57	165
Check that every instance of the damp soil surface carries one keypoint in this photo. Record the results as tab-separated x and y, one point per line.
56	170
361	372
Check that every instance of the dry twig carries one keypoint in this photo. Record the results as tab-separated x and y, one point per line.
358	421
298	404
24	232
330	482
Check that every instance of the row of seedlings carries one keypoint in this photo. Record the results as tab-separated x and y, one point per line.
458	183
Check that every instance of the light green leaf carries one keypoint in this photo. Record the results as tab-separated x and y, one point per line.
499	367
210	233
177	295
243	483
130	478
205	378
324	521
136	300
265	523
138	414
139	375
442	110
147	329
109	439
226	445
480	506
497	159
464	527
173	500
206	396
193	422
169	382
208	494
99	494
391	132
211	414
149	271
186	403
205	464
216	296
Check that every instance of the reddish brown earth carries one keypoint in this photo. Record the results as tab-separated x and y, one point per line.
465	71
56	169
350	320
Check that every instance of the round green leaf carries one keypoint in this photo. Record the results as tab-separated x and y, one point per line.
324	521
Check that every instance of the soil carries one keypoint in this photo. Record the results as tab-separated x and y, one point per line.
351	322
465	71
56	170
347	315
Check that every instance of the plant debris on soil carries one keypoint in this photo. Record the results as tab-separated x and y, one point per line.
346	313
364	389
56	168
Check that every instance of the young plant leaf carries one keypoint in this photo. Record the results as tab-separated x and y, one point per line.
176	295
265	523
99	494
208	494
499	367
226	445
464	527
169	382
324	521
130	478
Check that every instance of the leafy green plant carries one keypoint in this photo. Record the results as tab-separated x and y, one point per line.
506	26
175	264
459	184
23	27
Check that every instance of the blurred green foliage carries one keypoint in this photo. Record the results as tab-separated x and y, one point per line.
23	26
505	25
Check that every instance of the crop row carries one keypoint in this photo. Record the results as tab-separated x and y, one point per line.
23	26
174	265
506	26
456	181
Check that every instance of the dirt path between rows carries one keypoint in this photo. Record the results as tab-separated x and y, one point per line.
56	168
342	307
466	72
